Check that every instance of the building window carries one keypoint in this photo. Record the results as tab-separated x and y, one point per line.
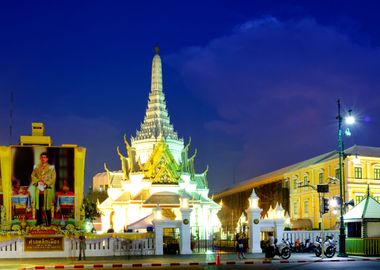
376	173
354	229
306	207
295	185
337	173
358	199
295	208
306	180
358	173
320	178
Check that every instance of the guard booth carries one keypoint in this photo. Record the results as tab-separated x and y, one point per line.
363	228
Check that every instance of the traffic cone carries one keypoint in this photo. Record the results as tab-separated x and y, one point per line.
217	259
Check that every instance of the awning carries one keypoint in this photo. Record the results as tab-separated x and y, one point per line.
301	224
143	223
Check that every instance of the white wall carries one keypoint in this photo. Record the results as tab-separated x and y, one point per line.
373	229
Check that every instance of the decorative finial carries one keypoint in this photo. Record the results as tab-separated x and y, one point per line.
157	49
367	190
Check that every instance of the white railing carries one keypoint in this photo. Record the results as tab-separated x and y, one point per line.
303	235
106	246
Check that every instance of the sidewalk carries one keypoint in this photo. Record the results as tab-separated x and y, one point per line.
167	260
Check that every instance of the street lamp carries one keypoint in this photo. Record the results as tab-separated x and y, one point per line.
342	236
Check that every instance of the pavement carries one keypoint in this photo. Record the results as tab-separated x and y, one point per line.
166	260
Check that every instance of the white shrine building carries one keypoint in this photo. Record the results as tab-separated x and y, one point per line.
157	175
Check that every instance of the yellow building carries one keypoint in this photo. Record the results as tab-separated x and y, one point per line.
294	187
100	181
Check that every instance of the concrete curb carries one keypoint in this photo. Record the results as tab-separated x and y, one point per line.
136	265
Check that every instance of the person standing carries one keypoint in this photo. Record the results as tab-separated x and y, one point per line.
82	246
269	253
43	180
240	246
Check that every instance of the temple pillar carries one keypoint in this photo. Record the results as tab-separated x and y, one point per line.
185	240
253	214
158	237
279	228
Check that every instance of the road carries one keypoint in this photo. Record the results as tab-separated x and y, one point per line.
367	265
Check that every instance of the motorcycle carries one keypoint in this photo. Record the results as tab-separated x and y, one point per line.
328	247
289	244
297	246
282	249
308	246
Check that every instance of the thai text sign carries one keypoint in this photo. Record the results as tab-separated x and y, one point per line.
43	243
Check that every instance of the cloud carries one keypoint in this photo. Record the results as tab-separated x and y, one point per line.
274	85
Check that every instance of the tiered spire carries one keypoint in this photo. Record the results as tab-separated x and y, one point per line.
156	121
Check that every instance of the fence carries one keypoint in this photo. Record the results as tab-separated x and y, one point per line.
230	243
128	245
108	245
303	235
363	246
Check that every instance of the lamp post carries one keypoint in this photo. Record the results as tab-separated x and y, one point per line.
342	234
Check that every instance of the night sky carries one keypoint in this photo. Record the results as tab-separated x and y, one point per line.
254	83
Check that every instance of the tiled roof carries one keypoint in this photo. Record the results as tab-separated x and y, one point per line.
124	197
368	208
363	151
163	198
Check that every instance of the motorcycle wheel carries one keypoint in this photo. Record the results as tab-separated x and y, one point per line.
330	252
318	252
285	253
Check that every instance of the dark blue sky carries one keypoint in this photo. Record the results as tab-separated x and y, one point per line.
254	83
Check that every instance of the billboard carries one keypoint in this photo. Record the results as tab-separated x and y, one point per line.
42	184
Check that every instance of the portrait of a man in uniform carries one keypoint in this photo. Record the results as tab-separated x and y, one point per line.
43	181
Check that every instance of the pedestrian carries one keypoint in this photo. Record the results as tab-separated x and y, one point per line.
269	252
237	245
240	246
82	246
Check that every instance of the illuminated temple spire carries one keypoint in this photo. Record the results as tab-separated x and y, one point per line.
156	121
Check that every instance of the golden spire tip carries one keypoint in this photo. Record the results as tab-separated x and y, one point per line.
157	49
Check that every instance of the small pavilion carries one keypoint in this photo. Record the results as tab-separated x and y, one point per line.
363	227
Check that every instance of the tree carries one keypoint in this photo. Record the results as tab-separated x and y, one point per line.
90	210
96	195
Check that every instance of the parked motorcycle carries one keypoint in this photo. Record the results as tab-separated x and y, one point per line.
282	249
308	246
297	246
328	246
289	244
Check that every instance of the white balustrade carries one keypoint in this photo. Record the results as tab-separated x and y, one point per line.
106	246
303	235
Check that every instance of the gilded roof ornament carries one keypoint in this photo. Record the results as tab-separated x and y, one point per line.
188	144
194	155
205	171
126	142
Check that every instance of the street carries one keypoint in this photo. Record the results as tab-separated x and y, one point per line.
368	265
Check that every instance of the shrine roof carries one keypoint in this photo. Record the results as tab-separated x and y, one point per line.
124	197
163	198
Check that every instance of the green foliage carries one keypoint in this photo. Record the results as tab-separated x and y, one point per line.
90	210
94	195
